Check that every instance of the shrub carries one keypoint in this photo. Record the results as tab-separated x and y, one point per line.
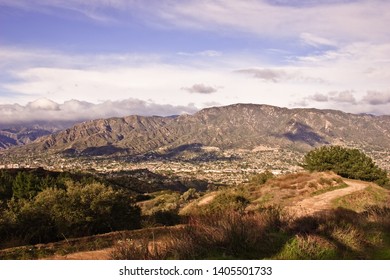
91	209
308	247
349	163
77	211
164	217
261	178
235	201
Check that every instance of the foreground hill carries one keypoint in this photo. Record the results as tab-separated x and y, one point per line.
270	224
299	194
239	126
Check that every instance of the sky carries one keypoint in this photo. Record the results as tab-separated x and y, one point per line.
84	59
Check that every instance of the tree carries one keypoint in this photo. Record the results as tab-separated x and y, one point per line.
90	209
5	186
26	185
346	162
78	210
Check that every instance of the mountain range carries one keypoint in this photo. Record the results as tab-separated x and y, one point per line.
238	126
18	135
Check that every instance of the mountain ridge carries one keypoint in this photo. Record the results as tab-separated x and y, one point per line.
237	126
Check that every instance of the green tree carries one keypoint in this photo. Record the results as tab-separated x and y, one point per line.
26	185
348	163
90	209
5	185
78	210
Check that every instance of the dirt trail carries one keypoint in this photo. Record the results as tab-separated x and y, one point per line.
321	202
306	206
207	200
87	255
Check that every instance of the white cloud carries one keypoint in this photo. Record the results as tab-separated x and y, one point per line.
75	110
316	41
43	104
337	22
149	77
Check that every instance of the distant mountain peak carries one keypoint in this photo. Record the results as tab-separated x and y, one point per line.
238	126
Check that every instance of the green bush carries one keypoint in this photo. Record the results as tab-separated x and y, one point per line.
348	163
76	211
5	185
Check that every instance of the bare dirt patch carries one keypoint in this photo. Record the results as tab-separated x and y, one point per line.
322	202
207	200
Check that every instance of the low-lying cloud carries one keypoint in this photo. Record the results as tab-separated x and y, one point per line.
376	98
343	97
370	101
335	96
45	110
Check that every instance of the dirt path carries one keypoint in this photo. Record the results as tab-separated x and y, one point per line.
207	200
321	202
87	255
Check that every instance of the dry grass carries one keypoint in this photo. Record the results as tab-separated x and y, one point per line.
271	234
289	189
143	249
220	235
359	201
89	243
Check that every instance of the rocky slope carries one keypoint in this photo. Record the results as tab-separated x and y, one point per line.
239	126
22	135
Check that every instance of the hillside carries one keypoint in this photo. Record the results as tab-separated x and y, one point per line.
299	194
295	216
239	126
19	135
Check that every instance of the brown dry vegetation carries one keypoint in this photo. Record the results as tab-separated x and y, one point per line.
290	191
271	234
67	248
251	221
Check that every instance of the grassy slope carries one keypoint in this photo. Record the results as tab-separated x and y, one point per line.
335	236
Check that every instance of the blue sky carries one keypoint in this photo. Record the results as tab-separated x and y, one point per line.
85	59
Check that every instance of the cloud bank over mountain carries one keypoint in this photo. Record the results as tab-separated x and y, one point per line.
46	110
